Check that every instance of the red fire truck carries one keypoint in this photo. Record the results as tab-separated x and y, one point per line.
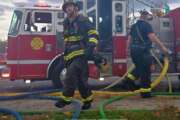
3	65
35	41
174	15
167	28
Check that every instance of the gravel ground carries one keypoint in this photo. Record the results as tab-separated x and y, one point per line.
128	103
44	105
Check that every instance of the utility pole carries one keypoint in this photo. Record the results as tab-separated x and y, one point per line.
85	7
133	10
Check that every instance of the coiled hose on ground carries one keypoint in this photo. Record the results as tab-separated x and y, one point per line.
11	112
161	65
36	95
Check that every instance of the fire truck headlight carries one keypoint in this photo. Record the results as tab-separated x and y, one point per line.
5	75
5	72
27	81
101	79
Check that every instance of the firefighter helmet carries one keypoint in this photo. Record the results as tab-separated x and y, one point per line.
144	12
69	3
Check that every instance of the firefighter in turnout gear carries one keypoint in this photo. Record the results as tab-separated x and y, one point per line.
80	39
140	43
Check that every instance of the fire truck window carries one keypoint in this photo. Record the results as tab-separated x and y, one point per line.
28	23
42	22
90	3
119	25
43	17
60	15
15	23
118	7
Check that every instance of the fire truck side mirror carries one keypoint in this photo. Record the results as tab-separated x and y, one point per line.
114	31
60	19
60	15
60	23
32	18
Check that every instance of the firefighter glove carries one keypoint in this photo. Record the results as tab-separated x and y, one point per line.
101	63
89	53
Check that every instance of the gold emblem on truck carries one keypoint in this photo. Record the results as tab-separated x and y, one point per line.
37	43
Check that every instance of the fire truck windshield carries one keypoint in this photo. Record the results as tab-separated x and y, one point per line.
15	23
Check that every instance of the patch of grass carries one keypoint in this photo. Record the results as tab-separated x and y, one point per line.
120	115
166	113
43	115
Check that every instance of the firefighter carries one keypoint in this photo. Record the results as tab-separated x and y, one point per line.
140	43
80	39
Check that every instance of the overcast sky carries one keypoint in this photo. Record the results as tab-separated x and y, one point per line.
7	5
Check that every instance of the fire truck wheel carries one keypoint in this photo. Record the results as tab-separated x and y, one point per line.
179	77
56	75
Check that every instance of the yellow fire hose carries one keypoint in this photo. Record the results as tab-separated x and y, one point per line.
116	82
153	84
132	67
160	64
156	82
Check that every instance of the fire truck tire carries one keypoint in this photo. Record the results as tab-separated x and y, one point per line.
56	80
179	77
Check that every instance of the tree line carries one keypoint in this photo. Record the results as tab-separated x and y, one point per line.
3	45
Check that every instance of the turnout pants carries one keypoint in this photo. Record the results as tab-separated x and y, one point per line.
77	77
142	60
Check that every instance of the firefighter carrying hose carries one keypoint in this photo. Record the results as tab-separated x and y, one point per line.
80	39
140	43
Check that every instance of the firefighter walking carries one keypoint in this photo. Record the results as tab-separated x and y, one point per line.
80	39
140	43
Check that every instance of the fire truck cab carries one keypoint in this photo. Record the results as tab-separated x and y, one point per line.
35	39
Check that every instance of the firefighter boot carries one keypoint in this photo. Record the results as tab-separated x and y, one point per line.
128	84
87	105
62	103
146	95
